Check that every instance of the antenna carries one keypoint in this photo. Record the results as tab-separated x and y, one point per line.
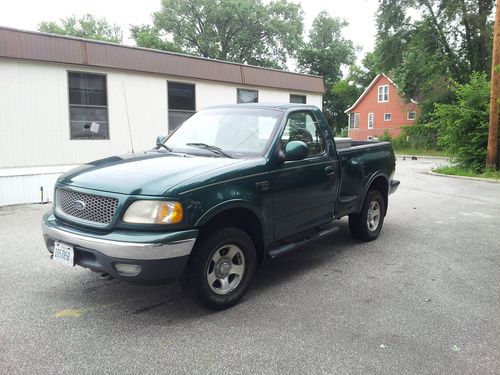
128	119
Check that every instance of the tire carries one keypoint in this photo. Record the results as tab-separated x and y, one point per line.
221	268
367	225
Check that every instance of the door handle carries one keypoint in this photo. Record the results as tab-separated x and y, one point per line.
329	170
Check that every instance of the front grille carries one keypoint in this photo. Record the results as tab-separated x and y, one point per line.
93	208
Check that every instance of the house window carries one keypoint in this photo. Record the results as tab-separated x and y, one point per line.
181	103
247	96
371	120
411	115
383	93
301	99
354	120
387	117
88	106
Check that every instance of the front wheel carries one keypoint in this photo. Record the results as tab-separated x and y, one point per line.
221	268
367	225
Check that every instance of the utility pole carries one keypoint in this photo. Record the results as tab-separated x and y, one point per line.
491	158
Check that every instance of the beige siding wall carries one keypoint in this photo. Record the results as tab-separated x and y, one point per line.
34	115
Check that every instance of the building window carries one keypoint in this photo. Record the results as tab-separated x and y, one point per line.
411	116
301	99
371	120
181	103
383	93
88	106
354	120
387	117
247	96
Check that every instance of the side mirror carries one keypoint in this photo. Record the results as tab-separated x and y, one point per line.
296	150
160	139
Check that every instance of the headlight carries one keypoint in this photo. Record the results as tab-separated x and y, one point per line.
153	212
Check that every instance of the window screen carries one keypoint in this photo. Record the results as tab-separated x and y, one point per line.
383	93
301	99
247	96
181	103
354	120
88	106
371	120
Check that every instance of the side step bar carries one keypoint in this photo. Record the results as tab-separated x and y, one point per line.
286	248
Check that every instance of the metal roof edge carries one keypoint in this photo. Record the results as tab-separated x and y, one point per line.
161	52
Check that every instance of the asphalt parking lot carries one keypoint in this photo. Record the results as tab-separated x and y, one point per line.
422	299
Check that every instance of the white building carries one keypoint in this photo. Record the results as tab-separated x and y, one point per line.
66	101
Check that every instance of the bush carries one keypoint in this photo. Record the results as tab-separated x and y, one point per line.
462	127
386	137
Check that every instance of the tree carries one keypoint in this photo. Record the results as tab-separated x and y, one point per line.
463	126
325	54
149	37
87	27
444	43
243	31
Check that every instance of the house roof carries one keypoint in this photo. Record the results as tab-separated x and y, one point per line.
367	90
35	46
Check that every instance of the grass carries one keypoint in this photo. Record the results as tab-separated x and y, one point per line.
458	171
415	152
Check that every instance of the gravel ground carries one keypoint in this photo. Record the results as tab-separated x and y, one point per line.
422	299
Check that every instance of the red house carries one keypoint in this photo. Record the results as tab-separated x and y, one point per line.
380	108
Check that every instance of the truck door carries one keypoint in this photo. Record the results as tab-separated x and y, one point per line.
304	190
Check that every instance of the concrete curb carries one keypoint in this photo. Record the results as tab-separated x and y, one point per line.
490	180
424	157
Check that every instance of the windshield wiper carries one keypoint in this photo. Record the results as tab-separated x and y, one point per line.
214	149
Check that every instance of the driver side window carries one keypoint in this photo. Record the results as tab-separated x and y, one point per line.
302	126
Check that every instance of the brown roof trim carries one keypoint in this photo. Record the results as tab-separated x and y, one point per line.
30	45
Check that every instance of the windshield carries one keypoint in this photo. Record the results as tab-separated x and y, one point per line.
238	132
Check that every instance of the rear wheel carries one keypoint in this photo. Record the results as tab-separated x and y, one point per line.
221	268
367	225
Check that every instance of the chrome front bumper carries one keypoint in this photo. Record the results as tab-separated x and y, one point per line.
158	256
124	250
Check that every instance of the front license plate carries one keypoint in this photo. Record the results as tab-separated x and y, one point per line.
64	254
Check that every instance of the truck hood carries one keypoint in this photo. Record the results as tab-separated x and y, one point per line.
148	173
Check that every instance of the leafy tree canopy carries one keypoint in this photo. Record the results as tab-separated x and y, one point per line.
243	31
444	41
325	54
87	26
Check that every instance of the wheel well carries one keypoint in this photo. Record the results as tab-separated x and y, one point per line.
380	183
243	219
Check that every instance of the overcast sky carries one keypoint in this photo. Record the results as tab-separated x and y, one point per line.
27	14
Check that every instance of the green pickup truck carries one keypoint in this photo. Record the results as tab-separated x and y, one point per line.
231	187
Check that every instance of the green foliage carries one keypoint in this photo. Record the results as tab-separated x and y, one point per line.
443	43
455	170
342	94
325	54
87	27
148	37
243	31
463	126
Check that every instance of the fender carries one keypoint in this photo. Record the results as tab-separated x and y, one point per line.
227	205
367	187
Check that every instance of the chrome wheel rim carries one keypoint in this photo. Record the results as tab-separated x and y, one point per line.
373	218
226	269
